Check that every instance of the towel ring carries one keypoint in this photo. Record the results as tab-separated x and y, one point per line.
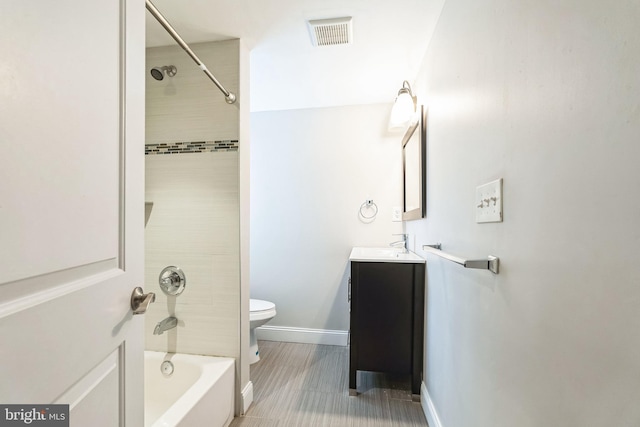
368	204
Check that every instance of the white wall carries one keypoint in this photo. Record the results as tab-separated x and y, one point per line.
310	172
546	96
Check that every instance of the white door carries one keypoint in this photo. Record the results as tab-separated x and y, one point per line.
72	206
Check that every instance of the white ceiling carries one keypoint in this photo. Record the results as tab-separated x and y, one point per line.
287	72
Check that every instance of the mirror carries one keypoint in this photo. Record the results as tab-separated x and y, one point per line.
414	167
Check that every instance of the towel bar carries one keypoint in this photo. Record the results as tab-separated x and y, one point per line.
491	263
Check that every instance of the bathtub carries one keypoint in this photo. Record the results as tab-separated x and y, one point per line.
199	392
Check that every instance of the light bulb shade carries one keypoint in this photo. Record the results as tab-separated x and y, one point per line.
403	112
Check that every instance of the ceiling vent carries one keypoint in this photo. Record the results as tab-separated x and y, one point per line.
331	32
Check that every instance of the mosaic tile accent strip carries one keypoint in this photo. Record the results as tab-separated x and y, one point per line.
191	147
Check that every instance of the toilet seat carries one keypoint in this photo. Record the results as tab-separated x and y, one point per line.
260	305
260	309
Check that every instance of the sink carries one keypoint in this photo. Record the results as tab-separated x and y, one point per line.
383	255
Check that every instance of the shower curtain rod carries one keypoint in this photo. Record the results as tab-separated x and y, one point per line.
230	97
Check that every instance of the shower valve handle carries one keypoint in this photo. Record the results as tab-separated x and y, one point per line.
172	280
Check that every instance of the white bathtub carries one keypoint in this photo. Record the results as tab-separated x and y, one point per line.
199	392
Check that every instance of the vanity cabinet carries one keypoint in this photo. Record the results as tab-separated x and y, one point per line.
387	319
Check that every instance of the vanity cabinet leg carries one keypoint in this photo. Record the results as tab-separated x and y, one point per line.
416	382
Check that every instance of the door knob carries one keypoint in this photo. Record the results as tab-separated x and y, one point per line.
140	301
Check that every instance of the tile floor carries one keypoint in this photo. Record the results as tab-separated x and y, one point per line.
306	385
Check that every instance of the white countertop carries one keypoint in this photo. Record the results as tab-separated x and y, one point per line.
384	255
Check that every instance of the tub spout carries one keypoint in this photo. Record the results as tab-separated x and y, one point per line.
165	325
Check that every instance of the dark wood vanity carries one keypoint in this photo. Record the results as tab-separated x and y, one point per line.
387	318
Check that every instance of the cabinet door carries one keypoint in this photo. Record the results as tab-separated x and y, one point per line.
383	316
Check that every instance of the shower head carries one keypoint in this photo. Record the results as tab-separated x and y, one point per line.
158	72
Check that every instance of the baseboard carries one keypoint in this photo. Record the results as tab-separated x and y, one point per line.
428	408
247	397
302	335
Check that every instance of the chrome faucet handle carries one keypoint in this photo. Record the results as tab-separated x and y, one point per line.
172	281
140	301
404	241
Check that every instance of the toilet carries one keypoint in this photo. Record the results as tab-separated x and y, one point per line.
260	312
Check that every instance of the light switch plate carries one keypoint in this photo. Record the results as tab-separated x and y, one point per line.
489	202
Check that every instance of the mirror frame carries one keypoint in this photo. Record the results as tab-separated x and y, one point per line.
421	164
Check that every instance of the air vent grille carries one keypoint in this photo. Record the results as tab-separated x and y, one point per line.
331	32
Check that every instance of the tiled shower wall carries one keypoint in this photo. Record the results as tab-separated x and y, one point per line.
193	201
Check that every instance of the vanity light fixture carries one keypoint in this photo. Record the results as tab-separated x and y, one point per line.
403	112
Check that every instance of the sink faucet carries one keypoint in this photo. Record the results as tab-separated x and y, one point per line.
165	325
403	242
